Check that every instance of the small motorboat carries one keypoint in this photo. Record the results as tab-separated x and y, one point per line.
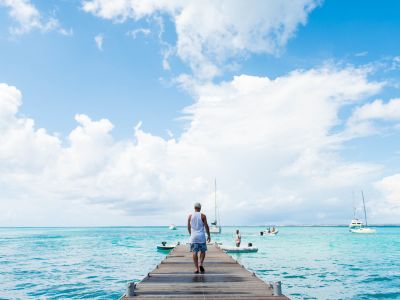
172	227
166	246
269	231
243	249
265	232
213	243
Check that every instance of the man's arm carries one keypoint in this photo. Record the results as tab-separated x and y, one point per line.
204	218
188	224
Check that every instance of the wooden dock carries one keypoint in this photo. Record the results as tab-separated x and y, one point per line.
224	278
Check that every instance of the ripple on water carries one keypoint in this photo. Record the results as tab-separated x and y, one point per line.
23	286
387	295
301	296
354	269
263	271
294	276
377	279
65	291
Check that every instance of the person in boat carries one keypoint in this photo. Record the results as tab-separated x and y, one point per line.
238	238
197	226
273	229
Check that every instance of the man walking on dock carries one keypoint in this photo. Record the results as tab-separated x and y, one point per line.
197	222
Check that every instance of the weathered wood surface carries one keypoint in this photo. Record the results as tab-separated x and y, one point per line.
224	278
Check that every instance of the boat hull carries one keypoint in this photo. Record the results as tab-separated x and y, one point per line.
239	249
215	229
166	247
266	233
363	230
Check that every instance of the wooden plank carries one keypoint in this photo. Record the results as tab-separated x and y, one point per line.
224	278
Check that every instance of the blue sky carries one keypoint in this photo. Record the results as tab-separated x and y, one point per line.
60	76
61	72
64	75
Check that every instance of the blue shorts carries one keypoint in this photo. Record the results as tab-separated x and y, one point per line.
198	247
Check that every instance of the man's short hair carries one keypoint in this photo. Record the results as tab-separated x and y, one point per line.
197	205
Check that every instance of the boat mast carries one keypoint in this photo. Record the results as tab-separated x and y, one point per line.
365	212
215	199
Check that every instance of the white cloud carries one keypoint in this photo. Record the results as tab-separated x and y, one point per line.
395	63
134	33
99	39
391	187
28	17
378	110
389	209
66	32
210	33
268	143
23	149
361	54
373	118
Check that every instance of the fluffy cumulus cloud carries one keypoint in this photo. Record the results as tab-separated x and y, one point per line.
209	33
28	17
389	209
390	185
378	110
269	143
374	118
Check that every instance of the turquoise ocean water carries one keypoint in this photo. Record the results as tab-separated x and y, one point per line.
96	263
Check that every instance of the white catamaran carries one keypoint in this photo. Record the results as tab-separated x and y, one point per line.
215	228
357	226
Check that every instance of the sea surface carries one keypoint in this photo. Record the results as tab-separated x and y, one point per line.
97	263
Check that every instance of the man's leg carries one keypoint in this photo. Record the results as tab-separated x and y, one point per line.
202	256
196	260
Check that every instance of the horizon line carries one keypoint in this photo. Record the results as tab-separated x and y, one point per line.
133	226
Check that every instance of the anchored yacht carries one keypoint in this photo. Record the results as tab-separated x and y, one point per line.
357	226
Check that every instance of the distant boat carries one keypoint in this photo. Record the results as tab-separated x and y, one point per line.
172	227
215	228
357	226
166	246
269	231
243	249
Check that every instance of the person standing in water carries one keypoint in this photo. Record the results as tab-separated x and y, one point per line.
238	238
197	226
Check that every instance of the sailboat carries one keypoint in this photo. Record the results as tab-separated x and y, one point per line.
215	228
357	226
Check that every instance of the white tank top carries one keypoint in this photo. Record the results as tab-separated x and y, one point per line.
197	227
